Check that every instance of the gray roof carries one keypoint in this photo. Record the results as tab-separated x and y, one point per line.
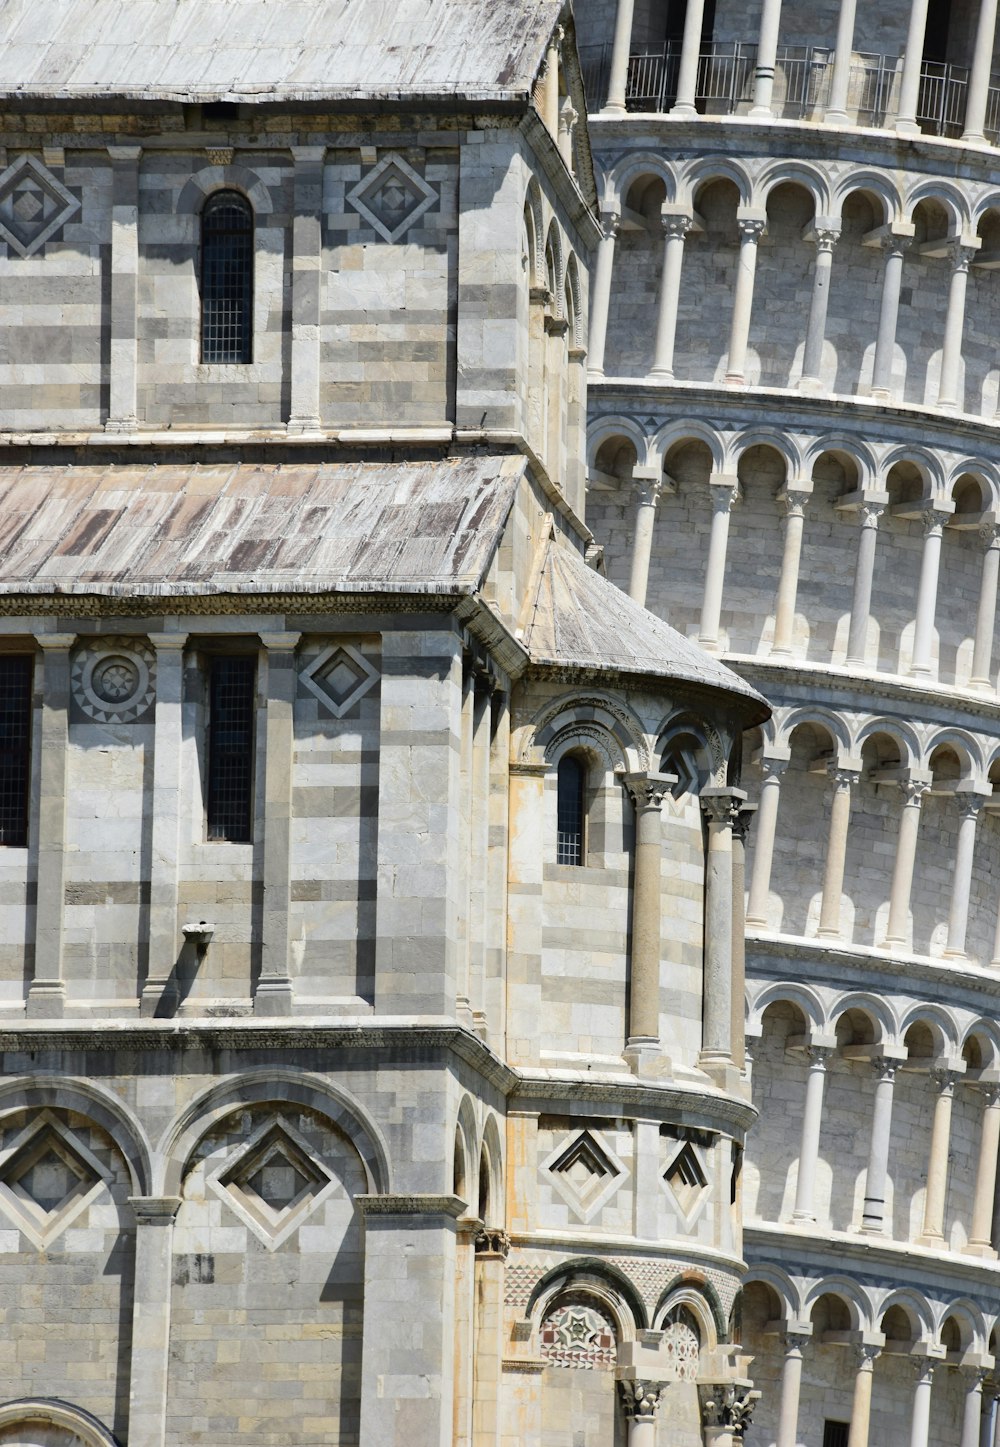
582	621
272	49
163	531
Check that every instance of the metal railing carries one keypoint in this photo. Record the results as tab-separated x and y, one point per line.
725	84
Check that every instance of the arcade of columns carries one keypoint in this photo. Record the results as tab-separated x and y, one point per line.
923	703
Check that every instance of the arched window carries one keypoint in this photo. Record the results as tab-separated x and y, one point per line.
227	278
571	784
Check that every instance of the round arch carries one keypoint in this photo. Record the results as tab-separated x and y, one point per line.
873	183
199	187
78	1425
284	1086
794	173
689	430
703	170
636	165
701	1299
606	1283
910	747
877	1009
935	188
786	992
844	1289
98	1105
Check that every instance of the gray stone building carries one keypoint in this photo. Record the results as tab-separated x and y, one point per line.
371	973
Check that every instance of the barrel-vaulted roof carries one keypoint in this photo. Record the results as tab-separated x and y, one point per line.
195	50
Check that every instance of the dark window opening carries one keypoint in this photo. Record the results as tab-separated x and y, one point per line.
227	279
835	1434
571	780
220	110
232	685
15	749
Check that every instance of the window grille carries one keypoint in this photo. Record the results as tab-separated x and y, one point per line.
835	1434
15	748
227	279
571	781
232	686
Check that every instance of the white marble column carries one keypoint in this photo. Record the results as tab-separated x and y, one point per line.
978	94
600	299
981	1229
676	225
307	279
897	927
148	1368
972	1415
621	47
751	229
725	492
920	1413
737	1031
763	849
873	1215
550	83
812	1120
932	521
47	991
991	1418
646	501
969	806
864	573
640	1400
274	991
767	53
950	386
568	119
687	75
721	808
932	1233
861	1406
795	500
836	852
825	239
986	613
909	87
647	792
895	248
124	289
836	114
791	1387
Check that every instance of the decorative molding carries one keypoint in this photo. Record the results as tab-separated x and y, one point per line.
339	677
34	204
114	679
392	197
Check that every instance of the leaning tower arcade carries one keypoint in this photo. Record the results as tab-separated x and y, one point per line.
795	459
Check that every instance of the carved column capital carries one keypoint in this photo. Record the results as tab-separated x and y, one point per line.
676	223
885	1069
750	228
961	256
722	806
826	237
610	224
944	1081
932	521
743	821
724	496
896	245
923	1369
913	791
797	1341
866	1355
795	500
640	1399
842	778
492	1242
648	791
728	1405
989	535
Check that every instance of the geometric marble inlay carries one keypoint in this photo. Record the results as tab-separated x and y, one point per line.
113	679
586	1172
47	1178
392	196
577	1335
686	1178
33	205
340	677
274	1183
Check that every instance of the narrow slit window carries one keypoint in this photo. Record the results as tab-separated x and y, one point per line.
571	782
15	749
232	686
227	279
835	1434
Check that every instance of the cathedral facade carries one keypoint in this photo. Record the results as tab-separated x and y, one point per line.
371	996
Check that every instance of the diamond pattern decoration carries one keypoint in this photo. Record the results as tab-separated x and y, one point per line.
34	204
586	1173
340	677
274	1183
687	1179
392	196
576	1334
47	1178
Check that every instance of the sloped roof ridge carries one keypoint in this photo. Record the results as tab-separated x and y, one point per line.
581	620
271	49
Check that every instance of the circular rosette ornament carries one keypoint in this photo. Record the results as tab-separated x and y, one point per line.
114	679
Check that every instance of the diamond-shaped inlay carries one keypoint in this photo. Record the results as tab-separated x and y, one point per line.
274	1183
340	677
586	1172
33	205
47	1177
392	196
686	1177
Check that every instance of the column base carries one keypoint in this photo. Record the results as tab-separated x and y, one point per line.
906	127
595	374
761	113
159	997
932	1239
121	424
710	645
660	374
722	1071
946	404
273	997
810	384
829	934
954	955
644	1056
981	685
46	1000
872	1228
803	1218
303	426
836	118
614	109
980	1249
734	379
974	138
